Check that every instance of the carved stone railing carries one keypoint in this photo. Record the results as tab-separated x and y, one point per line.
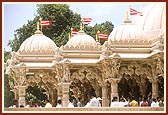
83	109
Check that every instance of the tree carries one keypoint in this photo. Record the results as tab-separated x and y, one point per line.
8	95
62	20
106	27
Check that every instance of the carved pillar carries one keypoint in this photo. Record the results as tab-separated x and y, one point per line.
59	93
65	92
154	89
65	83
114	88
104	97
22	94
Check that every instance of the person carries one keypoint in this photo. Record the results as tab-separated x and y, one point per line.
154	104
29	104
127	102
158	100
94	102
59	102
133	103
99	99
144	102
48	105
14	104
79	104
123	102
114	102
88	103
161	102
70	103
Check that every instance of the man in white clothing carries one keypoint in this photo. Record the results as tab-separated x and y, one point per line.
48	105
70	103
94	102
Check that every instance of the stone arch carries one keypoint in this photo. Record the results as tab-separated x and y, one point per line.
85	80
128	87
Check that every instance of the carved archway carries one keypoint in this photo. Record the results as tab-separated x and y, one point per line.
85	80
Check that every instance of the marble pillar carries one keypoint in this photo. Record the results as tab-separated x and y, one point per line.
154	89
65	94
22	94
114	88
104	97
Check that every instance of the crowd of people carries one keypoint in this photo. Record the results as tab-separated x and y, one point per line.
142	102
97	102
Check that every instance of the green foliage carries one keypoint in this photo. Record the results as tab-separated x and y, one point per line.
35	93
106	28
62	20
6	56
8	95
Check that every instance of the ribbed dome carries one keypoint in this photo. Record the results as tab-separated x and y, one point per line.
81	40
38	44
127	31
154	17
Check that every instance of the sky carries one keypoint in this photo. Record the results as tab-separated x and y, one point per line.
15	15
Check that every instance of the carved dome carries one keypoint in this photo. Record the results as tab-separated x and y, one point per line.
127	31
38	44
153	19
81	41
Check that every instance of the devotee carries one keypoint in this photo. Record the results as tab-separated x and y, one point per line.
48	105
133	103
79	104
144	102
114	102
15	104
94	102
70	103
99	99
154	104
59	102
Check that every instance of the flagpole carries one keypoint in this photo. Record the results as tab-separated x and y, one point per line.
97	37
82	25
70	35
40	23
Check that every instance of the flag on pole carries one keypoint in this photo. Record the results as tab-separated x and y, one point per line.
102	36
135	12
86	21
45	22
74	32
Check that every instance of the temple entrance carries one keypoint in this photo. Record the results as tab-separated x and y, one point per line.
128	87
35	94
81	88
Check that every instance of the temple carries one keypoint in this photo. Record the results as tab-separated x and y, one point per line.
130	62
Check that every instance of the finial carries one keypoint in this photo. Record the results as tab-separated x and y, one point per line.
127	20
38	31
97	36
40	22
126	16
81	26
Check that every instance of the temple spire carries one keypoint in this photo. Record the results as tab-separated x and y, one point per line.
127	20
97	38
38	27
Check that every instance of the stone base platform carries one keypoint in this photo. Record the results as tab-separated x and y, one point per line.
86	110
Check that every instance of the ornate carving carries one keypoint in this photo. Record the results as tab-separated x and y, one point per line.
159	67
111	68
